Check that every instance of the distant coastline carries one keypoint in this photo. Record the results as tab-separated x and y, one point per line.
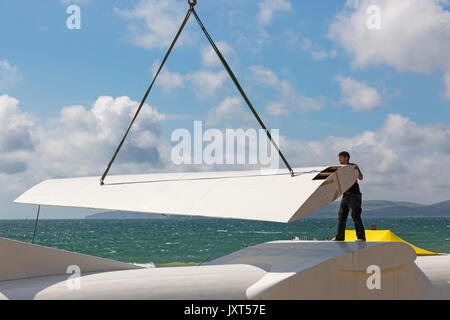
371	208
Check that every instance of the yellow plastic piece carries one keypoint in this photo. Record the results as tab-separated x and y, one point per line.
385	236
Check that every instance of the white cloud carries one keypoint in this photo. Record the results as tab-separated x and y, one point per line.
358	95
154	23
230	109
401	160
14	126
204	83
277	109
79	142
414	34
267	9
290	99
447	85
266	76
167	79
171	80
322	54
209	56
8	74
16	143
305	44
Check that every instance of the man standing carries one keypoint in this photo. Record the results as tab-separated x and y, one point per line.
351	200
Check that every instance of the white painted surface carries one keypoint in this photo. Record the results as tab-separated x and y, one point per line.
24	260
253	195
197	283
437	270
273	270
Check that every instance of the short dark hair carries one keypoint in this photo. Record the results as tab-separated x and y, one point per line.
344	154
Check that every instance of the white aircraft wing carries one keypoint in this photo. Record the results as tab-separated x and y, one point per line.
252	195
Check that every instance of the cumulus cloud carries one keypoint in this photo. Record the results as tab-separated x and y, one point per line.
290	99
358	95
8	74
92	134
169	80
204	83
153	23
209	56
230	109
79	142
401	160
268	8
414	35
14	126
16	143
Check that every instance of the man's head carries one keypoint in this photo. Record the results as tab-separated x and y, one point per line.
344	157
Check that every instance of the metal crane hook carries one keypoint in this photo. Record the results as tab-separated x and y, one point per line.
192	3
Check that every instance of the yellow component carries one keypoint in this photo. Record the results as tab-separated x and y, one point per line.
385	236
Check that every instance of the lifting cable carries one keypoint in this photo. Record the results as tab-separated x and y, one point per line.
191	10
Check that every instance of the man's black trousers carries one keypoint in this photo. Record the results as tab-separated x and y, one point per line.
351	202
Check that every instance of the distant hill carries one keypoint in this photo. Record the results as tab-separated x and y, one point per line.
385	209
371	208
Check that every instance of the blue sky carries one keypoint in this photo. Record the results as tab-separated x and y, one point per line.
311	68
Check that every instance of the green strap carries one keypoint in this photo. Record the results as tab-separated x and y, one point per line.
238	86
231	74
146	95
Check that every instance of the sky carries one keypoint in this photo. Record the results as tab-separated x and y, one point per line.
370	77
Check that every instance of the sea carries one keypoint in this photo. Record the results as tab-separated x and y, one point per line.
193	241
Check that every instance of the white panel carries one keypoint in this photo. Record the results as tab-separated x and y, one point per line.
25	260
253	195
272	270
